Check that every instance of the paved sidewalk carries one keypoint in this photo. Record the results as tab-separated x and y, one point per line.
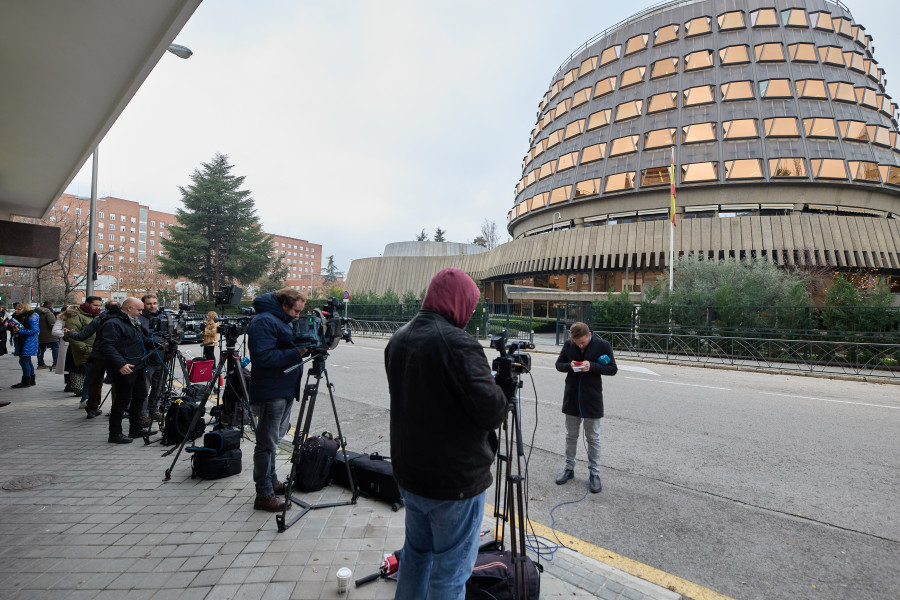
96	521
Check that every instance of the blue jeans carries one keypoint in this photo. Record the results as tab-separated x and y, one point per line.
440	547
27	366
274	420
54	351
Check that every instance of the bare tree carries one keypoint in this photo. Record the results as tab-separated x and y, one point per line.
490	234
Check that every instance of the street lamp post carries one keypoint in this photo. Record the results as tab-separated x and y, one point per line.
181	52
553	226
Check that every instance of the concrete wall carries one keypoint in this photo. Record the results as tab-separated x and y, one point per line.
431	249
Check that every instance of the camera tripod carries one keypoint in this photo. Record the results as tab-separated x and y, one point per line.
230	362
307	406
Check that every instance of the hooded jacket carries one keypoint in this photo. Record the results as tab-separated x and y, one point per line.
80	350
120	342
583	396
47	320
27	337
271	343
445	405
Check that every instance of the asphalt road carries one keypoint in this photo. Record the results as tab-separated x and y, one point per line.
757	486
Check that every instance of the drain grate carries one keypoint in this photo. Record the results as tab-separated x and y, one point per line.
27	482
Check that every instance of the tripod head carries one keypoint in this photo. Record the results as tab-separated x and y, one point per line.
512	362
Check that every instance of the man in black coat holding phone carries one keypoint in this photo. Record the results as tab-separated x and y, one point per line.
584	358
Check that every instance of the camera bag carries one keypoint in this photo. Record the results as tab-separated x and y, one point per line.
208	464
373	476
493	577
178	419
222	441
316	462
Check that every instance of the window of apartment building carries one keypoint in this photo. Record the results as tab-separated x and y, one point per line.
665	34
122	228
771	52
77	210
802	52
133	220
731	20
65	209
701	59
152	242
764	17
100	235
664	67
109	268
775	88
121	238
123	217
112	227
101	215
99	246
794	17
698	26
152	233
152	223
632	77
811	88
734	55
131	240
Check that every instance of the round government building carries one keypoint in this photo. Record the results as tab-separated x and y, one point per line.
785	148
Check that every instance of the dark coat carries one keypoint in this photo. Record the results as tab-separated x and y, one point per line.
27	337
154	358
583	396
80	349
47	321
120	342
272	350
444	408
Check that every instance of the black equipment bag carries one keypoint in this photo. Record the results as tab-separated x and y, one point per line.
220	441
315	462
178	419
373	476
493	577
208	464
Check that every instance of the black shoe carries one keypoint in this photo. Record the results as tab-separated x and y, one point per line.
119	439
595	484
142	432
94	413
67	388
270	503
26	382
565	476
32	382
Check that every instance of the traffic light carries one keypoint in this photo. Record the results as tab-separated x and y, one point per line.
96	265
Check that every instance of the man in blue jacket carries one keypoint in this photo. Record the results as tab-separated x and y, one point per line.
272	391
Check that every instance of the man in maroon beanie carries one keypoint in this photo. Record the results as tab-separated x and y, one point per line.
445	407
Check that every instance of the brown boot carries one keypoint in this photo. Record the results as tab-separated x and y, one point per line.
270	503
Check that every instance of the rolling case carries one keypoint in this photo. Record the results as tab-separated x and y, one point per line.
373	476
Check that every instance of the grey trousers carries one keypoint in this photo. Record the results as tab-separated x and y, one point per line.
591	435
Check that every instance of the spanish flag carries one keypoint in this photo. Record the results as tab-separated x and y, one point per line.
672	191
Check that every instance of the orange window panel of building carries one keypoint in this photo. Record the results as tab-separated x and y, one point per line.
618	182
775	88
698	26
843	26
871	69
803	52
855	61
624	145
866	96
588	65
819	127
661	102
813	89
769	52
664	67
560	194
831	55
864	171
698	132
632	76
554	138
701	59
821	20
890	174
547	169
629	110
581	96
729	21
701	94
593	153
737	90
793	166
841	91
539	200
567	161
853	131
734	55
555	89
610	54
794	17
879	135
574	128
539	147
562	108
659	138
599	119
588	187
636	43
828	168
745	168
699	171
570	77
655	176
522	208
740	129
605	86
665	34
764	17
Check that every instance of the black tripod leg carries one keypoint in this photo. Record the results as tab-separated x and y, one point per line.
337	423
310	391
244	403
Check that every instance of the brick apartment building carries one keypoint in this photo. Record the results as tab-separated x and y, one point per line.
128	243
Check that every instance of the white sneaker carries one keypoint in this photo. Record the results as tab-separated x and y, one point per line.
83	405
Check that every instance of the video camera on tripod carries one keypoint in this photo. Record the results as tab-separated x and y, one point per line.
512	362
323	329
231	328
171	327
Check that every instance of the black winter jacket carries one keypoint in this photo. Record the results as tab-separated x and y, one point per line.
119	342
444	408
272	351
583	396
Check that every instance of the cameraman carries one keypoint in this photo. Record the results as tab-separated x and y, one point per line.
155	367
444	408
272	391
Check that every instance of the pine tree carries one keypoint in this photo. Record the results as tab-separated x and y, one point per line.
439	235
218	239
331	272
422	237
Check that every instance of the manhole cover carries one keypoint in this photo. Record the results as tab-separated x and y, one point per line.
27	482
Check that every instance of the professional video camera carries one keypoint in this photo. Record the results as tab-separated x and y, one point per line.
232	328
170	327
323	329
228	295
512	362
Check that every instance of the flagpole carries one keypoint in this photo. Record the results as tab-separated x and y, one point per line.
672	220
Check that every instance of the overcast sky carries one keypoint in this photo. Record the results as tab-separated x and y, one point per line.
359	123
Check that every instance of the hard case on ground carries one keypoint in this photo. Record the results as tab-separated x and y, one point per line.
207	464
493	577
373	475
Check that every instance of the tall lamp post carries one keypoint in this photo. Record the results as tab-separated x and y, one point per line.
181	52
553	225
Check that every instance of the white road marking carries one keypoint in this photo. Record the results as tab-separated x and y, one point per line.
709	387
622	367
830	400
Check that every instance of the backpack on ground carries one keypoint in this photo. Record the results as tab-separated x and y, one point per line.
315	462
177	421
493	577
220	456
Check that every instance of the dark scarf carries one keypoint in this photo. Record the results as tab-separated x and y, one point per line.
89	310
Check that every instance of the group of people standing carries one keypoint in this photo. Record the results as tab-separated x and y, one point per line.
30	331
